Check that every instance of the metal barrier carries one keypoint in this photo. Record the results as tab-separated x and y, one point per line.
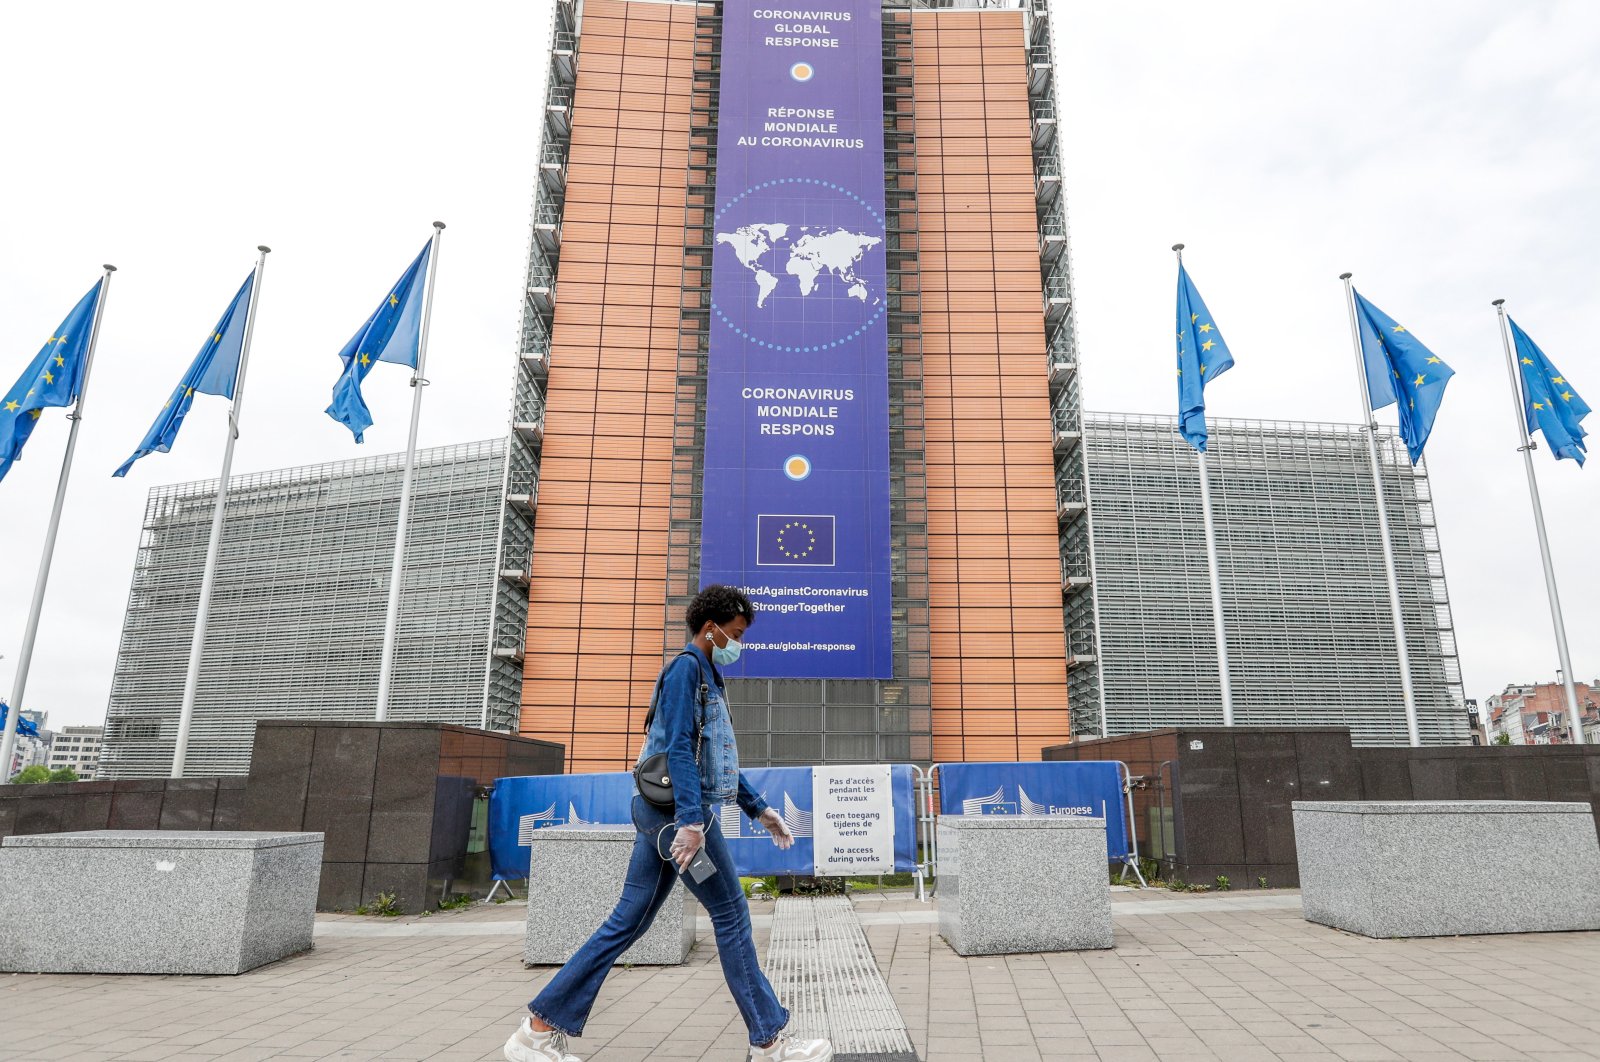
924	871
923	788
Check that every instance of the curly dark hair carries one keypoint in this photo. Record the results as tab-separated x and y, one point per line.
719	604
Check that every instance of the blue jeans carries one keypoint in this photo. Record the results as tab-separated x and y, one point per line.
565	1002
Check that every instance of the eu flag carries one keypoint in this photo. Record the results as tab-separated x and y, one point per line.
1202	357
53	378
1552	404
799	541
25	726
1403	371
213	372
393	333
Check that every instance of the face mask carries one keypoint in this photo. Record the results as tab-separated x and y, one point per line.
723	655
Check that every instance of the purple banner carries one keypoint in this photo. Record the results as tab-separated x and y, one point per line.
796	497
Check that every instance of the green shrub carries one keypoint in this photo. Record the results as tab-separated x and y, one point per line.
387	905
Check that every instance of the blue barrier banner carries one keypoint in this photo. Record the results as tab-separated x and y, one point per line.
518	806
789	789
796	500
1062	788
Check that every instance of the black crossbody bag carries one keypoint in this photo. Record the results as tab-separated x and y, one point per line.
651	774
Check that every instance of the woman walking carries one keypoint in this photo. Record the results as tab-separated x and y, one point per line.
689	722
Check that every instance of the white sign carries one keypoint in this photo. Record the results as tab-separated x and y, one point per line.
852	820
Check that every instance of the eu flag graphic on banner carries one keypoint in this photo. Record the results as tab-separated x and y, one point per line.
794	540
1552	403
1202	357
214	371
53	378
796	502
1402	371
393	333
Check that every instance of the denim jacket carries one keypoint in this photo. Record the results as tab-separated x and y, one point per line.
716	779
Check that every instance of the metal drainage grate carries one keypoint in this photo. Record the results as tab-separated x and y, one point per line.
823	971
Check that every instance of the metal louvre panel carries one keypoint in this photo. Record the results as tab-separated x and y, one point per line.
297	614
1306	602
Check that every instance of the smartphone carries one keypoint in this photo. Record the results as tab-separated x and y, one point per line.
701	868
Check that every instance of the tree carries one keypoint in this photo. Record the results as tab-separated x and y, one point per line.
30	775
63	774
1502	739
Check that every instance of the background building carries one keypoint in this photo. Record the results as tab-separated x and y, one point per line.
1310	639
1537	714
1477	730
297	614
1049	576
77	747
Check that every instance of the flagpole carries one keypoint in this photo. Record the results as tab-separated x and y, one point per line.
1220	625
19	684
391	622
1526	444
197	644
1370	426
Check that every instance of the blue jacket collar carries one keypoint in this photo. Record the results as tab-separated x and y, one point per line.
705	661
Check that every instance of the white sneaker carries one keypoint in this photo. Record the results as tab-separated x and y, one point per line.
793	1049
526	1045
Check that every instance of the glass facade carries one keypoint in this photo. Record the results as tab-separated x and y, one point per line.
297	613
1306	602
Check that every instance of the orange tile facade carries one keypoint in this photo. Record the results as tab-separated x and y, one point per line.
597	621
597	596
994	568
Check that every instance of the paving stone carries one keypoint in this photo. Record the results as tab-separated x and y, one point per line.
450	993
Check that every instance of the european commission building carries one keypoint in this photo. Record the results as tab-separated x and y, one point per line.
799	316
1305	599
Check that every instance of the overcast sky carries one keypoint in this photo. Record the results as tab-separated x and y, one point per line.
1444	151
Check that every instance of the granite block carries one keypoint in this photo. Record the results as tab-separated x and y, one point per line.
1023	883
1566	775
1442	868
1211	824
339	799
528	756
140	785
403	796
1385	773
89	810
280	777
1269	778
451	821
40	810
1328	766
1480	779
408	882
575	878
340	887
149	902
189	804
1433	776
229	813
133	809
1526	770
